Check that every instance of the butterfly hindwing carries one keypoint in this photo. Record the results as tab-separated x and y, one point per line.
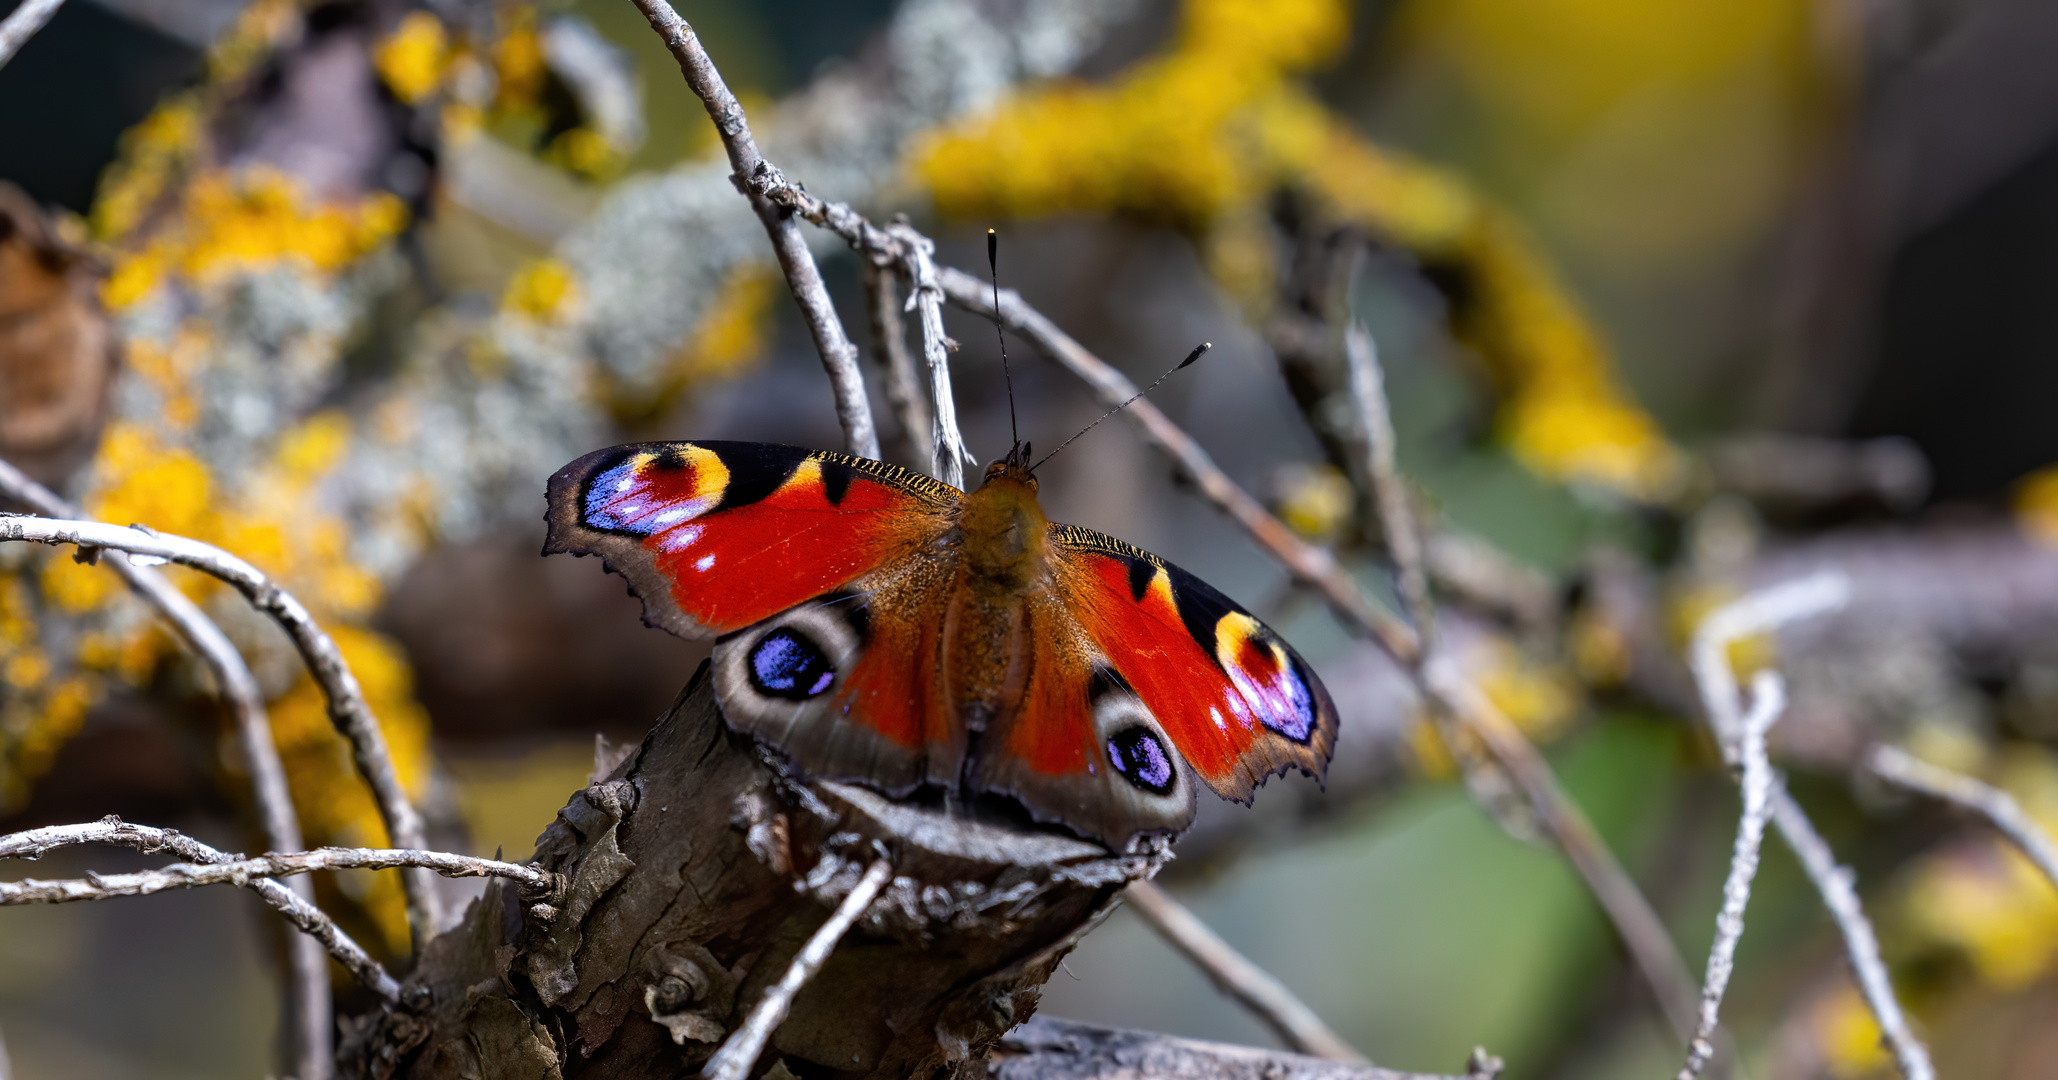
1082	748
717	536
1237	704
846	685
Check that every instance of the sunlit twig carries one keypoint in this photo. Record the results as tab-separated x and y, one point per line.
740	1050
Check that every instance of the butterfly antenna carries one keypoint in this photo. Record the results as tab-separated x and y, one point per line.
993	267
1190	358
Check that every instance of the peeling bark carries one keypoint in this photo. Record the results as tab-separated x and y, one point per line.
694	874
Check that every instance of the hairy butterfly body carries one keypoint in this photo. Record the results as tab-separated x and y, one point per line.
878	626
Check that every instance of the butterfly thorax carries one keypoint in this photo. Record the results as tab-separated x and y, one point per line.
1003	538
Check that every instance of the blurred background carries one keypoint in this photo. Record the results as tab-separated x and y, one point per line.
1675	299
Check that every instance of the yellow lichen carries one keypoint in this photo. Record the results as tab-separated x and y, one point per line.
2036	504
1988	902
413	58
1204	134
544	290
1846	1034
230	224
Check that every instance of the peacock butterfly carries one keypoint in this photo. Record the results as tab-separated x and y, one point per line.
878	626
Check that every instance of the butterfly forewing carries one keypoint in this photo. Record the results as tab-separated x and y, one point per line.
716	536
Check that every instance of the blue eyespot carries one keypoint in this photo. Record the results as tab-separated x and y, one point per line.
786	664
1137	754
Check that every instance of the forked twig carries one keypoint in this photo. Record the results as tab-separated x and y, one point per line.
347	708
1768	700
803	277
1897	766
303	915
308	998
1759	613
950	453
741	1049
1251	986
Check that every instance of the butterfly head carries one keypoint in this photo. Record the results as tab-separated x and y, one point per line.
1001	523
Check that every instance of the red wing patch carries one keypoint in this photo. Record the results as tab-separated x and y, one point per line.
716	536
1237	703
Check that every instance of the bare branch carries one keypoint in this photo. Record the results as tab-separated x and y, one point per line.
1768	700
1897	766
1449	694
1250	985
244	871
118	833
309	1002
803	277
347	708
950	453
1368	386
1840	896
739	1052
889	338
22	24
1048	1049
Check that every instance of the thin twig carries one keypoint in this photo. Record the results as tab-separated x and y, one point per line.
1451	695
308	1000
305	916
245	871
803	277
22	25
1840	896
948	450
1762	612
347	708
1897	766
1396	512
739	1052
1768	700
1253	987
889	338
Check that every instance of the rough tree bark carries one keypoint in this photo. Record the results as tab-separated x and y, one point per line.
693	875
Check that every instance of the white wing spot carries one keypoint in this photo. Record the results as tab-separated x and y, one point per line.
704	563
